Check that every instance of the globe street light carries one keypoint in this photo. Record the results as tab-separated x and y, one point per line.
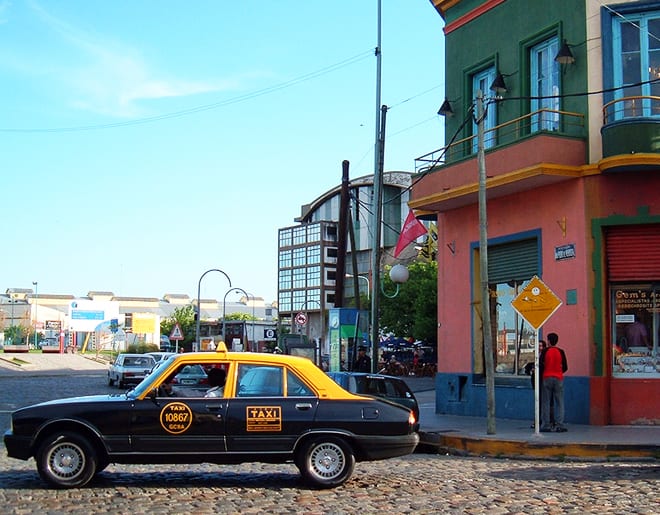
199	308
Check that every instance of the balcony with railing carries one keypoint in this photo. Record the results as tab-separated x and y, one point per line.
542	122
631	125
538	148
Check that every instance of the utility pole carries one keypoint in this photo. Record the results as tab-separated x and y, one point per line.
483	266
377	204
342	237
375	252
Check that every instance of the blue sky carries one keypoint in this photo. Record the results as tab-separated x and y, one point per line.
143	142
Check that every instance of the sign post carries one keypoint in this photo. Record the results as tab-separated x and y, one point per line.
536	303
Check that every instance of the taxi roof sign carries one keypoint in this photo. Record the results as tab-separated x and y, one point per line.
536	303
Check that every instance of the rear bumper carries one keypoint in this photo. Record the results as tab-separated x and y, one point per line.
383	447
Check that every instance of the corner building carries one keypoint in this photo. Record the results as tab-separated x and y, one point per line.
571	132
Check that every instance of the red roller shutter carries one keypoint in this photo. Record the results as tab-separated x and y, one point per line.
633	252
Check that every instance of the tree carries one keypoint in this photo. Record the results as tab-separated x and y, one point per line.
413	312
185	317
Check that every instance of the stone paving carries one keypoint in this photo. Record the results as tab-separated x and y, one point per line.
420	483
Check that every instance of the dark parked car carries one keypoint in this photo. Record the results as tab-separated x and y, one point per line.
275	408
391	388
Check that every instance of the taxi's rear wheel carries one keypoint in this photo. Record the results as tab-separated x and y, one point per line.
66	460
326	462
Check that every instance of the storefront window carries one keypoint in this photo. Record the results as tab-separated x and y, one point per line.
515	337
635	330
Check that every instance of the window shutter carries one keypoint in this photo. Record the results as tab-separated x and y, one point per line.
517	261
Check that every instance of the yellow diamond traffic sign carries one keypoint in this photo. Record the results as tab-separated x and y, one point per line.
536	303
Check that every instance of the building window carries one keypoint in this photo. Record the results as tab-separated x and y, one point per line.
544	82
314	255
635	330
314	276
284	302
299	298
299	278
285	259
285	238
313	233
299	256
481	82
636	51
299	235
511	265
285	279
331	232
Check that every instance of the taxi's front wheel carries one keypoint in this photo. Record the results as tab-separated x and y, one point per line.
326	462
66	460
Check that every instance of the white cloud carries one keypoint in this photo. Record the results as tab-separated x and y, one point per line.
105	76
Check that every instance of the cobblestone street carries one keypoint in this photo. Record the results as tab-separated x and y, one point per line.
420	483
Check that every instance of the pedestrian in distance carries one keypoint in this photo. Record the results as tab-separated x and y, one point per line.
362	362
554	363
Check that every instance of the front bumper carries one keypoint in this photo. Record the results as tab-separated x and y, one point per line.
19	447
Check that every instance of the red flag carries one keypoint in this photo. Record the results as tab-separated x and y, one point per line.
411	230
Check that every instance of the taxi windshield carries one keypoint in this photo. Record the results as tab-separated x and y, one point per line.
152	378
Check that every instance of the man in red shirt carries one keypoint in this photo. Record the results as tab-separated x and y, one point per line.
554	364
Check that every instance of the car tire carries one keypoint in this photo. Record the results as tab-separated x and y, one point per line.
326	462
66	460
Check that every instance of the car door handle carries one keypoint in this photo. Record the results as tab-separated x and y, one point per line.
303	406
214	407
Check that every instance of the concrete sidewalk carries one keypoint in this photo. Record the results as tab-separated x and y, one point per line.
31	363
438	433
516	438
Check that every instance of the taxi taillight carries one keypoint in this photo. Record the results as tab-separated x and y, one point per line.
411	419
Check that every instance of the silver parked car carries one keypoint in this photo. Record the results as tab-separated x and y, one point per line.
130	369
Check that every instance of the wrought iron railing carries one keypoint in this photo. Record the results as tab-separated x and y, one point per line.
543	121
631	107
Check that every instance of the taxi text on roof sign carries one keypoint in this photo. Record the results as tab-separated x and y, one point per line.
536	303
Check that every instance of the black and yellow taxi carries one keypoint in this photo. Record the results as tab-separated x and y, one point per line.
271	408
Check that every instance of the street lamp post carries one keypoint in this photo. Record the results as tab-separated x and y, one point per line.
224	301
366	279
254	339
36	315
302	307
199	308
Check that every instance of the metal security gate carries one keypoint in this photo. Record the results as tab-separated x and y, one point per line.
633	252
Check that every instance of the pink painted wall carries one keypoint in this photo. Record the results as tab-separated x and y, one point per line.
541	209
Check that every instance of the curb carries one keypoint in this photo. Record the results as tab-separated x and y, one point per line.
434	442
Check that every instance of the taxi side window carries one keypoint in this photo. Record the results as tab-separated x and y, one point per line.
259	381
295	387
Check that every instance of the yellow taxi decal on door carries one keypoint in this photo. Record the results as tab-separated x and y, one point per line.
264	418
176	418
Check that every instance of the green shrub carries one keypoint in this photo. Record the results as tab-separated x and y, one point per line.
142	348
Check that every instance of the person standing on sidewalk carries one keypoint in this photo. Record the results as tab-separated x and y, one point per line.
554	365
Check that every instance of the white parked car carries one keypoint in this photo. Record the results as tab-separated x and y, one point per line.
130	369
